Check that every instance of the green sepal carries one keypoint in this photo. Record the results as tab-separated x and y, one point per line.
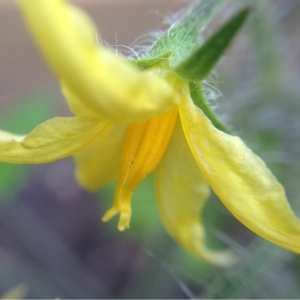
182	37
148	62
199	100
198	65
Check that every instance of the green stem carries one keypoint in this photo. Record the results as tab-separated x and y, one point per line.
199	100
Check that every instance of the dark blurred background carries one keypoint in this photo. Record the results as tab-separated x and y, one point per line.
53	242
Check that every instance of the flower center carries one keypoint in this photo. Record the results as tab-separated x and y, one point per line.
144	147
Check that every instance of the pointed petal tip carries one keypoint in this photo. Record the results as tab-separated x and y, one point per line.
109	214
241	180
124	220
52	140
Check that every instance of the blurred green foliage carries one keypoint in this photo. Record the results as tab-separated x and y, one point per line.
21	119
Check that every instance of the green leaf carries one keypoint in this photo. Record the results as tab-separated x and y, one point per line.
183	36
198	65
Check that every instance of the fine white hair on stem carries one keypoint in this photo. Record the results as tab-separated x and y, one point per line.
215	98
140	46
211	92
174	18
127	51
143	43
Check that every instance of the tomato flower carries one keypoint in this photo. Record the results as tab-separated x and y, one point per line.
129	123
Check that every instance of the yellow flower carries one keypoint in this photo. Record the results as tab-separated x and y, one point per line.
130	123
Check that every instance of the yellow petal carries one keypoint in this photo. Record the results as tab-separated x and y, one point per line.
181	192
241	180
104	82
55	139
6	136
98	164
76	105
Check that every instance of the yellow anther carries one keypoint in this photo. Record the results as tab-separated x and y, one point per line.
144	147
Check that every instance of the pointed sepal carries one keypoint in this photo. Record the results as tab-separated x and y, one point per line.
199	64
183	35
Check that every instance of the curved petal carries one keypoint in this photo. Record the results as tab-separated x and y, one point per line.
181	194
76	105
55	139
103	81
99	163
241	180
